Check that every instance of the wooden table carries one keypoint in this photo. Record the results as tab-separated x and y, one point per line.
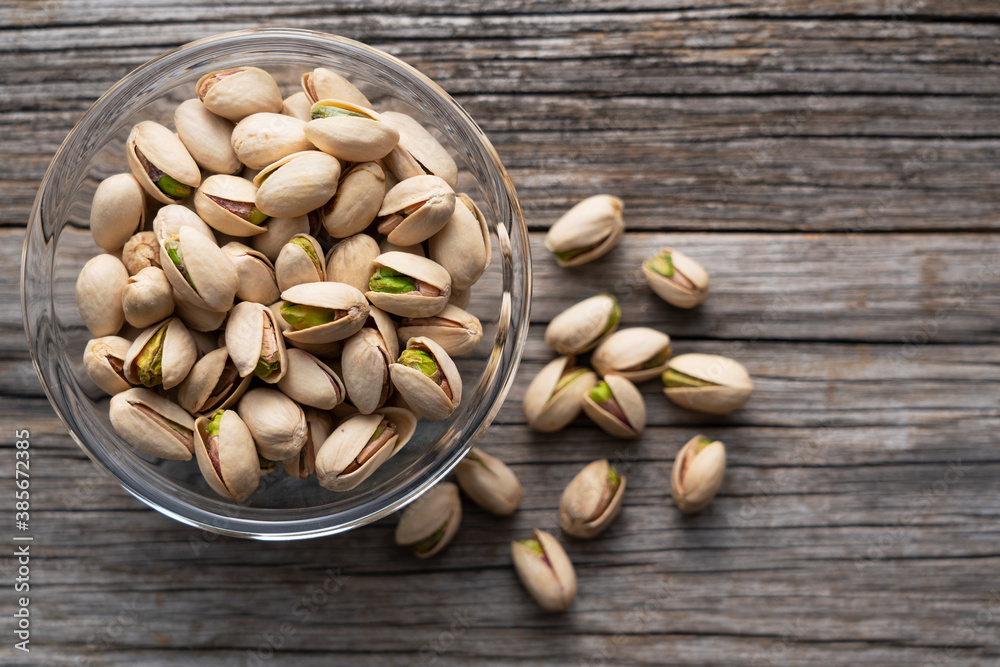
835	165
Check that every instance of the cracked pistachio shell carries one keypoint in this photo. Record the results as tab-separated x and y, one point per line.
319	426
239	92
697	473
104	359
213	278
163	155
431	294
637	354
455	330
117	211
416	209
172	217
462	247
360	136
349	306
99	290
418	152
350	261
147	298
276	422
623	415
592	500
325	350
489	482
583	325
429	399
324	84
707	383
153	424
311	382
357	202
213	384
431	522
263	138
337	467
279	231
588	230
228	462
256	273
676	278
297	184
545	570
297	106
195	316
141	251
253	333
365	363
296	266
178	354
548	409
207	137
226	204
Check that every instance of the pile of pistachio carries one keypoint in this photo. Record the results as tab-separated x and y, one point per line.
255	319
608	396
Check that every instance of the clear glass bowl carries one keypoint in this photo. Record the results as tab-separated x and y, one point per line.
58	243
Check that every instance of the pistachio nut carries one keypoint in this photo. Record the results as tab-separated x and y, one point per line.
324	350
324	84
587	231
207	137
99	290
427	379
117	212
418	152
350	260
300	261
616	405
323	312
238	92
350	132
161	163
257	276
153	424
226	455
455	330
365	362
489	482
226	204
171	218
297	184
592	500
213	384
255	343
583	325
104	361
697	474
311	382
676	278
141	251
357	202
195	316
707	383
198	269
460	298
279	231
162	355
319	426
408	285
297	106
555	396
276	422
263	138
637	353
416	209
147	298
462	246
545	570
360	445
430	523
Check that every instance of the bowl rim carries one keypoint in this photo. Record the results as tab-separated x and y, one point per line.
515	338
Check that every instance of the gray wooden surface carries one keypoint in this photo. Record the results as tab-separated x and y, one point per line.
835	165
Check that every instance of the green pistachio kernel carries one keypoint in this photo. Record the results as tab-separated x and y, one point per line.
428	543
614	318
264	368
420	361
333	112
213	425
613	480
173	248
673	378
150	360
391	282
309	249
534	546
600	393
256	216
173	188
473	457
703	443
658	359
662	264
568	377
303	317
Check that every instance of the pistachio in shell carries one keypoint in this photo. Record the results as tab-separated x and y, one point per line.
676	278
583	325
408	285
325	84
153	424
276	422
104	361
226	455
360	445
431	522
162	355
427	379
147	298
489	482
365	362
319	426
161	163
587	231
637	353
226	204
207	137
198	269
141	251
213	384
311	382
418	152
300	261
350	132
616	405
263	138
278	232
239	92
350	261
455	330
253	338
545	570
171	218
323	312
117	211
258	281
99	290
196	316
697	473
555	396
357	202
707	383
416	209
297	184
592	500
462	246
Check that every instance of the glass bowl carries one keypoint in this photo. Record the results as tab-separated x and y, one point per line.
58	243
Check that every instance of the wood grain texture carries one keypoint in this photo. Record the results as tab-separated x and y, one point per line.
834	165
